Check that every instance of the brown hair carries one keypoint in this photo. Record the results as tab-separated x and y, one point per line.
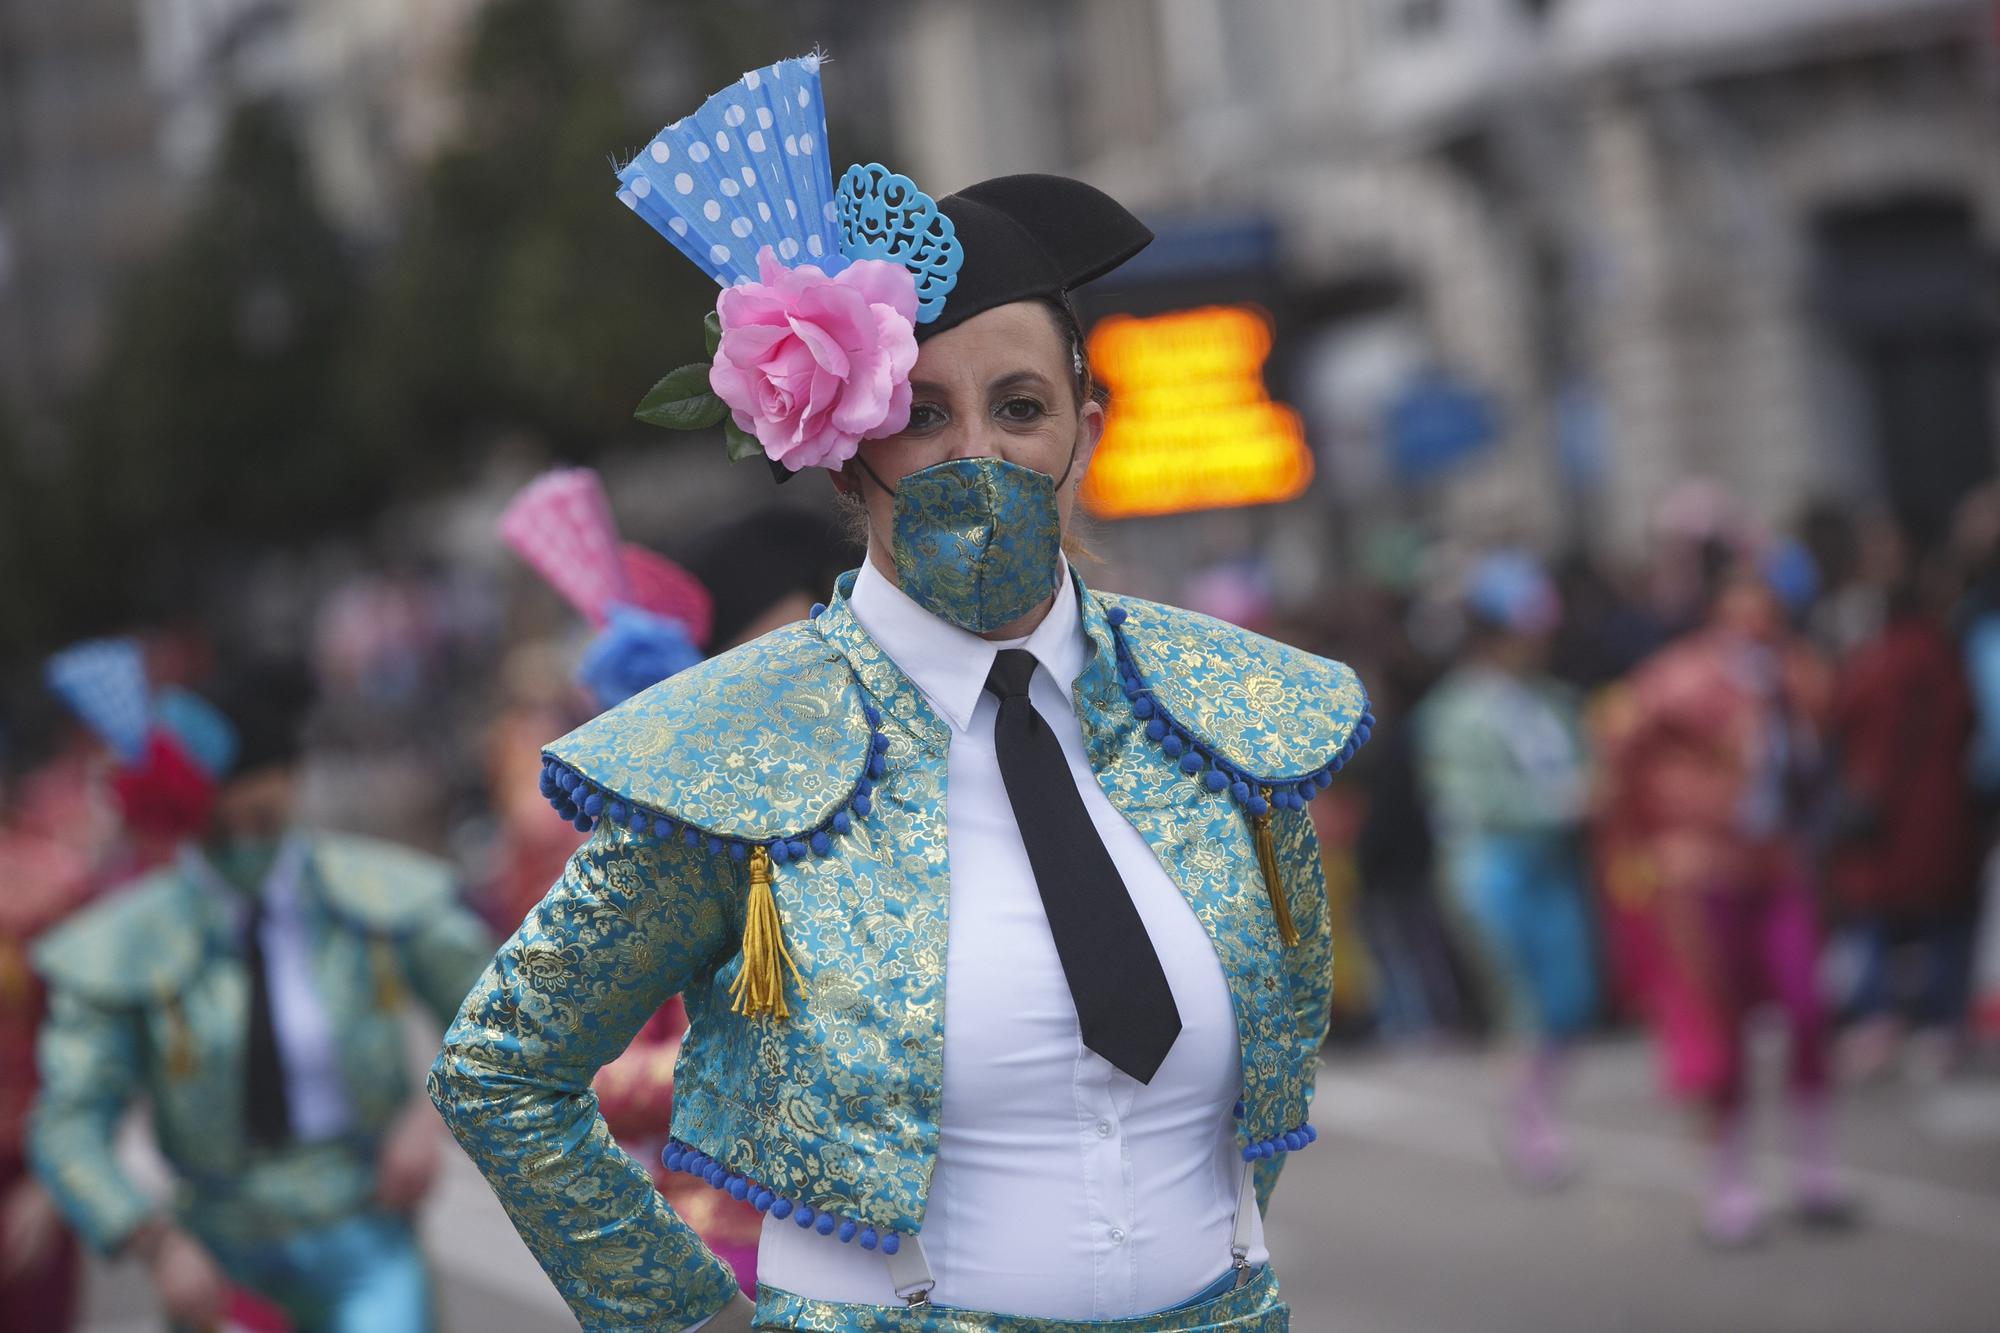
1069	329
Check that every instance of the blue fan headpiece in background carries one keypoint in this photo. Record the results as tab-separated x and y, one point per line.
204	734
104	683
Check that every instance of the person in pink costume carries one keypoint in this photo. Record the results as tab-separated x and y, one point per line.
1716	752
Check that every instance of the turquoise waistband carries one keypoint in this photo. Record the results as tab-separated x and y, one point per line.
1225	1308
1221	1286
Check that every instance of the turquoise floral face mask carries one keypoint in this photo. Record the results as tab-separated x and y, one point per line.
977	541
245	862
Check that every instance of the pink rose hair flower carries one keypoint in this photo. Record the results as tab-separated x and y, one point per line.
813	365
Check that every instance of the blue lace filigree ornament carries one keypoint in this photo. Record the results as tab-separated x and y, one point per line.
883	215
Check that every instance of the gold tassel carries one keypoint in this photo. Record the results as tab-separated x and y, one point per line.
759	988
1267	861
382	958
180	1041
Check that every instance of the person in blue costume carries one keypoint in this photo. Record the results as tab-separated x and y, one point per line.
993	898
250	991
1501	748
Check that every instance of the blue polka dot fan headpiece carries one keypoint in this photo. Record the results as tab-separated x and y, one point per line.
750	169
744	189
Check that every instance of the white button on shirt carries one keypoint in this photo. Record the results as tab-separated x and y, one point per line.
1063	1187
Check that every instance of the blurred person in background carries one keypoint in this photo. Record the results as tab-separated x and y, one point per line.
50	839
1421	990
768	568
1718	753
1501	750
251	992
772	832
649	618
1417	992
536	698
1975	554
1606	627
1903	869
163	753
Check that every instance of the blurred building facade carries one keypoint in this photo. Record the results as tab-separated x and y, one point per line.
1753	239
1531	261
112	112
82	191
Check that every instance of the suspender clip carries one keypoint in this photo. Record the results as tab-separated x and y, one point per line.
910	1274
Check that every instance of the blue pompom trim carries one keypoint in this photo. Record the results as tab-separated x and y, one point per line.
1203	764
584	804
1277	1146
689	1160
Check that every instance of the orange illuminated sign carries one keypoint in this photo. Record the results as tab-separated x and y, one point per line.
1191	426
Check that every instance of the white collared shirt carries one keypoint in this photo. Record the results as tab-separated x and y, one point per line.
1063	1187
308	1054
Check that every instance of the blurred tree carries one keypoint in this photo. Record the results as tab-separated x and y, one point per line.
18	603
520	295
214	401
211	420
262	385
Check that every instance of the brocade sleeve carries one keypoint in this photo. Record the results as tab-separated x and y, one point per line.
631	922
90	1056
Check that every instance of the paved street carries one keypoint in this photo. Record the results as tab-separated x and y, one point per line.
1398	1221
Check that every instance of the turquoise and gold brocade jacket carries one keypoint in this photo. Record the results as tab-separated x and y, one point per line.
807	760
149	1000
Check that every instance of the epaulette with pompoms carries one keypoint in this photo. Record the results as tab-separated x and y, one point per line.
142	944
766	754
1266	722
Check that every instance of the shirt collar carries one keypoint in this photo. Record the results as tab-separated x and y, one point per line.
950	665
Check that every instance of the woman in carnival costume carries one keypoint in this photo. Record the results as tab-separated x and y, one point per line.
1027	1056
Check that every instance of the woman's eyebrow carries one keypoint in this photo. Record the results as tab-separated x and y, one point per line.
1030	378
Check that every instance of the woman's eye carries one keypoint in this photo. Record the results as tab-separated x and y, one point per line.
1020	410
924	416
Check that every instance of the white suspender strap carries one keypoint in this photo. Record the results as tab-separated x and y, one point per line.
910	1272
1239	1235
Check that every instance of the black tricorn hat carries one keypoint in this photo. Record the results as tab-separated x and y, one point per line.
1025	238
1029	237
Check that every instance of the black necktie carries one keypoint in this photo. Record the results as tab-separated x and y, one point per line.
266	1110
1122	998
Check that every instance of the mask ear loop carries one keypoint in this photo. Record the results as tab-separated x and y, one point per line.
891	490
1070	464
885	488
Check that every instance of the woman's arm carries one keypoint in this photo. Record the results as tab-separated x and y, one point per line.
631	922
